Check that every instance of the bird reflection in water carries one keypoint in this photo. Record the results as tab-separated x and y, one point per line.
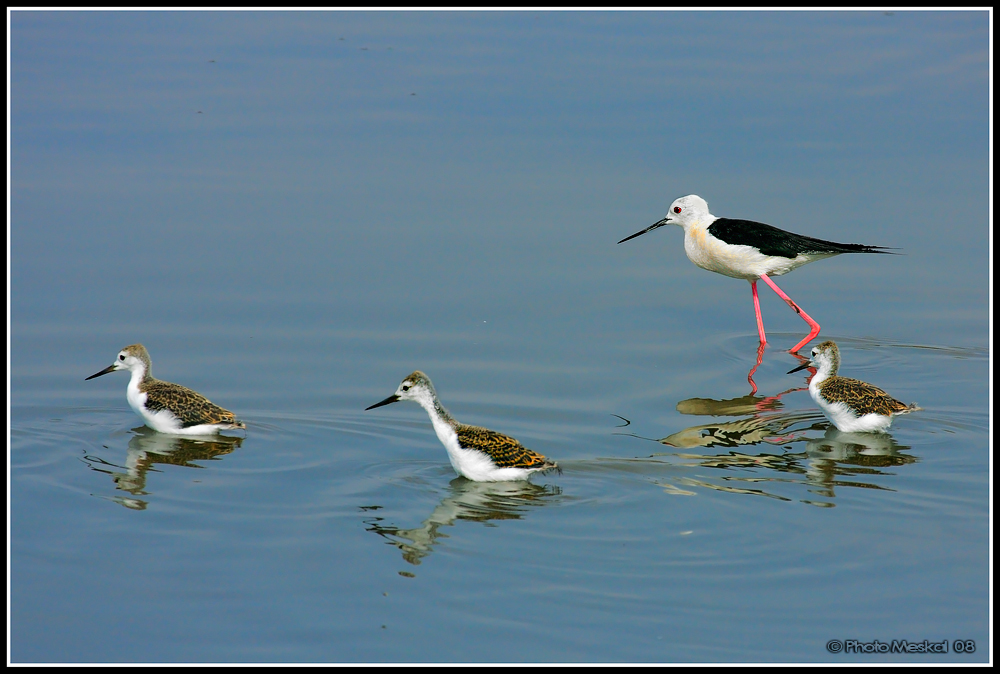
761	422
760	359
826	462
484	502
147	448
839	455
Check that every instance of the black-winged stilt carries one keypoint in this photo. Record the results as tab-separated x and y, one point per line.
478	454
749	250
166	407
852	405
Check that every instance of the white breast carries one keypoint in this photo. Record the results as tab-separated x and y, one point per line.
745	262
845	418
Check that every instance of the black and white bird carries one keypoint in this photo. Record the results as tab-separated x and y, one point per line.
478	454
853	406
166	407
749	250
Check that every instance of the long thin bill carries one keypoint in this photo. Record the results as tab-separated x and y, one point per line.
109	368
648	229
388	401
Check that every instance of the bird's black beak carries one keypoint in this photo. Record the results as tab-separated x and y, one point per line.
388	401
648	229
800	367
109	368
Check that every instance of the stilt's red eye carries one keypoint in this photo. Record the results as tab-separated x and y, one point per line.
677	209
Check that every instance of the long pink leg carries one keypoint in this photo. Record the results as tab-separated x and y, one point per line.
813	325
760	359
763	338
756	308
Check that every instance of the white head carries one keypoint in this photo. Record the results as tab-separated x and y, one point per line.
684	211
417	386
825	358
691	208
132	358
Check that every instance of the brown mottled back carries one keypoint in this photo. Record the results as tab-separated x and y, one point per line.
192	408
505	451
861	396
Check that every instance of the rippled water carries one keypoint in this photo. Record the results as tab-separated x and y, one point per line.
736	528
697	516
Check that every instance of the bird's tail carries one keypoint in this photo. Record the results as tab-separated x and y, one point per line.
551	465
833	247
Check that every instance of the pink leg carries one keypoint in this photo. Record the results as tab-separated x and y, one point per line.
756	308
760	359
813	325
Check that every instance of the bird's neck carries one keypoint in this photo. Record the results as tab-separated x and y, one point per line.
823	372
701	224
818	379
140	378
436	410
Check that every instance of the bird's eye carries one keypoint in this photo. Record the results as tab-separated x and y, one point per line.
677	209
406	388
121	356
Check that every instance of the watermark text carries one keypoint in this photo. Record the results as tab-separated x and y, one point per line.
856	646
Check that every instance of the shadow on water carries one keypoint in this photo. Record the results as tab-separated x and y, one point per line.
147	448
484	502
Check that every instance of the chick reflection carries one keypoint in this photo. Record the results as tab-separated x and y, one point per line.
466	500
838	455
823	465
147	447
764	423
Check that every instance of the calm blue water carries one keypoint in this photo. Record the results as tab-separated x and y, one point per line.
293	211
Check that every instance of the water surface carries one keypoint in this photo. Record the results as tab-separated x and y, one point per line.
293	211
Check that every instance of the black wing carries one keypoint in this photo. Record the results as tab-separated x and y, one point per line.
773	241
